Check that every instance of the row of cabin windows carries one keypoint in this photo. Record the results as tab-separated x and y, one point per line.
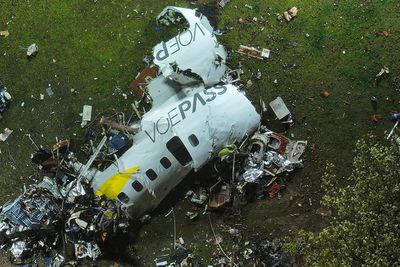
178	150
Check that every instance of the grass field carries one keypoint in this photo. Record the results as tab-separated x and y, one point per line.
96	48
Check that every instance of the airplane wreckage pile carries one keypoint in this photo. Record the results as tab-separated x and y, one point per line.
194	120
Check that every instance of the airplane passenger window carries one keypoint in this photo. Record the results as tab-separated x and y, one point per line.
152	175
137	186
123	197
193	140
165	162
178	149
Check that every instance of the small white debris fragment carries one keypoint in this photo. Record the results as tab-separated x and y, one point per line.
279	108
344	52
384	70
87	113
265	53
32	50
5	135
41	97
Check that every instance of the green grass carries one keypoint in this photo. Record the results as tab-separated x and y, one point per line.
108	39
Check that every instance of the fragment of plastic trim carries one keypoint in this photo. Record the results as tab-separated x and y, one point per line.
194	55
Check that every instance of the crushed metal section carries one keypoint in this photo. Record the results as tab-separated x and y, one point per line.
59	211
194	55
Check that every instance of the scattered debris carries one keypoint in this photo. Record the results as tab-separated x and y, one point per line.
33	49
267	253
139	85
231	76
78	206
220	194
4	33
222	3
49	90
392	130
5	99
290	13
61	210
279	108
86	115
394	116
6	134
253	52
325	93
248	6
382	73
376	118
385	33
118	126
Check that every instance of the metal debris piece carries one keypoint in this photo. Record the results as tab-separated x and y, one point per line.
33	49
268	155
392	130
5	98
161	261
194	55
253	52
6	134
251	175
4	33
86	115
117	126
222	3
231	76
290	13
87	250
201	198
38	216
384	71
50	91
279	108
139	85
220	194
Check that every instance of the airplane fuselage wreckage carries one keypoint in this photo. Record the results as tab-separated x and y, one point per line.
198	112
193	117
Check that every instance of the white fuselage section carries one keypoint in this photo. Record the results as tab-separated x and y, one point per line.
180	135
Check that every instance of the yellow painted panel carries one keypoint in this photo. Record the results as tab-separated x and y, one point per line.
113	185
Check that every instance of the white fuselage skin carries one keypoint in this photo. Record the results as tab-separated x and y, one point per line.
179	135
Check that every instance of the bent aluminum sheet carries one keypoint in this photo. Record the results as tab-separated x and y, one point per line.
195	50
